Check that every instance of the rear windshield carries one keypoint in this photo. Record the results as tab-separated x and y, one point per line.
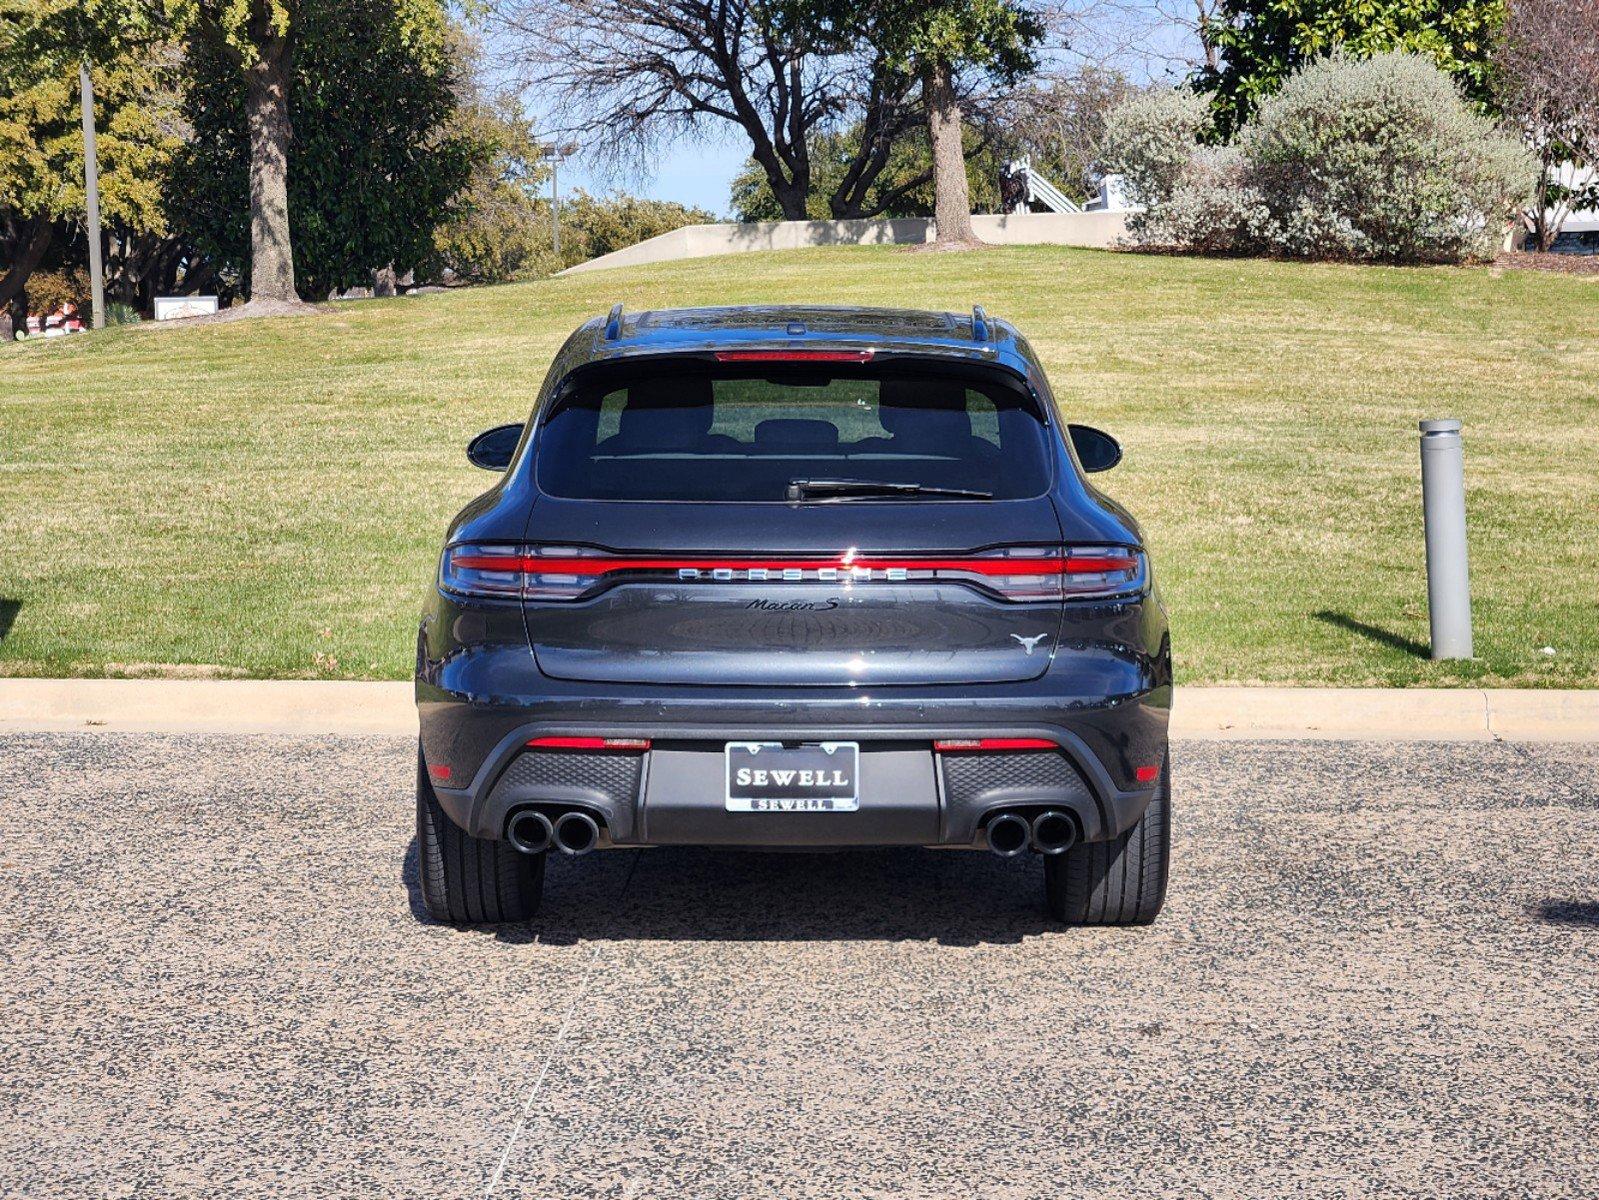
745	432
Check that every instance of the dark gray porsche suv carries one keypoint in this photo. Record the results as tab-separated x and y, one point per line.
794	577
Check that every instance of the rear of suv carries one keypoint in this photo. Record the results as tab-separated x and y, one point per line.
794	577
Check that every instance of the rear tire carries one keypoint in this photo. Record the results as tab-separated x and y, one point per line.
468	880
1119	882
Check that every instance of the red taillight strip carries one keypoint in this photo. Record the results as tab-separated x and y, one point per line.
589	743
1049	565
971	745
838	356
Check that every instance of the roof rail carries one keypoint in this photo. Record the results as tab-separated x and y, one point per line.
979	324
613	323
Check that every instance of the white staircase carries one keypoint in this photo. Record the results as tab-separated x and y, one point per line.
1042	191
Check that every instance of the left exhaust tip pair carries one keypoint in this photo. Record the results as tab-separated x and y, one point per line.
1050	832
532	832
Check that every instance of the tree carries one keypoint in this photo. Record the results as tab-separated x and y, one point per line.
252	40
499	228
1261	42
42	43
379	158
1198	19
1548	87
1143	38
627	77
255	39
904	188
934	42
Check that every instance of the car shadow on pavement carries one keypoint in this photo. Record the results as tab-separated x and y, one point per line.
1569	912
674	893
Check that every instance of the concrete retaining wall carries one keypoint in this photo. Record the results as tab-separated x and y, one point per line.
1093	229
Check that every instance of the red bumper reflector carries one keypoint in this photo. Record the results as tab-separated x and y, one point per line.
967	745
833	356
589	743
439	771
1147	774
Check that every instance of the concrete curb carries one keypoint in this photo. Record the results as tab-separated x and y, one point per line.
207	706
309	707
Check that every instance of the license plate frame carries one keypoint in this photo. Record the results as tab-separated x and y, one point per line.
829	794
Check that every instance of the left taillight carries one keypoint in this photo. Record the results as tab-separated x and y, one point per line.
481	570
534	572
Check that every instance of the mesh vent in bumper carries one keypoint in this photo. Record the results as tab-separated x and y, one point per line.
981	781
614	775
608	784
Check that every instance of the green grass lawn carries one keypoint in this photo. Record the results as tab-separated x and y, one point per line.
267	496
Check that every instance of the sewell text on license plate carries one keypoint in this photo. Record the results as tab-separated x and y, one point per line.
809	777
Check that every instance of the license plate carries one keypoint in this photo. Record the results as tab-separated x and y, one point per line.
772	777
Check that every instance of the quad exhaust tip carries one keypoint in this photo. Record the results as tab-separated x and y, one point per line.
530	831
576	833
1054	832
1008	835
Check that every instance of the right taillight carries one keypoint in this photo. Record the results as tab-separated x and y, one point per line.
1097	572
1035	573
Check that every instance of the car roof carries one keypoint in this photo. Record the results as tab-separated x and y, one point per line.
971	336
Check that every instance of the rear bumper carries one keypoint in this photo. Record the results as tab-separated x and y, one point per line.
909	794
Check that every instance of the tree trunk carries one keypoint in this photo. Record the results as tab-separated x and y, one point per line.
791	200
1206	40
952	206
267	108
35	240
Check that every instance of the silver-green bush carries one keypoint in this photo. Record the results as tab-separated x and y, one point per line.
1150	138
1213	207
1379	159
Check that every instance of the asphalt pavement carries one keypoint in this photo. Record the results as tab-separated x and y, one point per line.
1377	975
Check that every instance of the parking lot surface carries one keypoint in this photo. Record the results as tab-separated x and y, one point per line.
1377	975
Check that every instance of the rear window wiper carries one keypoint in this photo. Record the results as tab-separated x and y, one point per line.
848	489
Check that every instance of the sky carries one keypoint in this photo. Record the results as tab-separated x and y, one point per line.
691	173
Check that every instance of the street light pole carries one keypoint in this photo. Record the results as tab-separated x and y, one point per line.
91	191
553	153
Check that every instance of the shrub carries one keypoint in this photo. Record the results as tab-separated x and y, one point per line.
1378	159
1213	208
598	226
1150	138
497	233
503	233
1381	159
50	291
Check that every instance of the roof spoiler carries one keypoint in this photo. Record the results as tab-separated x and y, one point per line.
979	323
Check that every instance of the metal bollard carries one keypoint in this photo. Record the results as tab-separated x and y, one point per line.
1443	502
